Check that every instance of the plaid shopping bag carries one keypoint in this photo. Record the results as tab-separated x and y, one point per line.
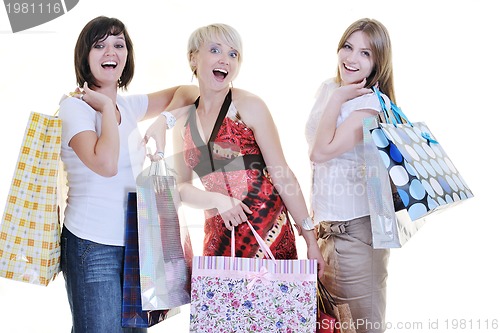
30	229
132	312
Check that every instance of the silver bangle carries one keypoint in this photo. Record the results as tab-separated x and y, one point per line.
308	223
170	119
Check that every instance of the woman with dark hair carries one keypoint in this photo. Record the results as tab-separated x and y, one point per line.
102	155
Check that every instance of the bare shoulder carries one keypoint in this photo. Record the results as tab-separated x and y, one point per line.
246	101
251	108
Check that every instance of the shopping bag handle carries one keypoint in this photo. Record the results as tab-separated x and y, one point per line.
160	168
398	116
322	291
262	243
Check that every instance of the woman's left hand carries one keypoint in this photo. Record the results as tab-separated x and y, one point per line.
157	131
313	251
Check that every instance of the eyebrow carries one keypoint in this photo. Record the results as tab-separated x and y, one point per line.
363	49
220	44
105	38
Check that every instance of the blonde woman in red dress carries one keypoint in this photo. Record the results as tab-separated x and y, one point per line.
230	141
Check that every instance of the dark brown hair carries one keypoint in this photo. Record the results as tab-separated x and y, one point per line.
94	31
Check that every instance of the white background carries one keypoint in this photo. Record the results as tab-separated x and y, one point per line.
446	62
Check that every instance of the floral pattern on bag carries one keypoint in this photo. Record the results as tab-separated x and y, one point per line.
232	305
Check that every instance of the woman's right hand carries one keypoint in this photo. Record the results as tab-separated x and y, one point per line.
345	93
233	211
98	101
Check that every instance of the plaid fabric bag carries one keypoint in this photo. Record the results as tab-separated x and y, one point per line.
30	229
132	313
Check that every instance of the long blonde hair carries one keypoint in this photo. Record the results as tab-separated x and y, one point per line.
380	44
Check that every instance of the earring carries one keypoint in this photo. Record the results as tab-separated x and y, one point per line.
193	75
231	83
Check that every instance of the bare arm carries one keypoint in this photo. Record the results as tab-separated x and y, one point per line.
330	141
99	154
170	98
232	211
256	115
162	101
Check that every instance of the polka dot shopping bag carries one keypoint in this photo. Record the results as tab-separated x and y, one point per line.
409	175
30	230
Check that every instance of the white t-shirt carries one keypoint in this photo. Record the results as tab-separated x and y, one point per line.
338	190
96	205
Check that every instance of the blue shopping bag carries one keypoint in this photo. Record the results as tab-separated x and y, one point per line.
409	175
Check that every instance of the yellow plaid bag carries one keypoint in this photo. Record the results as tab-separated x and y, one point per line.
30	229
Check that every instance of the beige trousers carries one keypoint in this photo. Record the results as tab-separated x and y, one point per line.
355	272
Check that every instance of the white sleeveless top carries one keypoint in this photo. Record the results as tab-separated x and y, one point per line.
338	190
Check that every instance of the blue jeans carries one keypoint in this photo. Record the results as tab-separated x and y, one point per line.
94	274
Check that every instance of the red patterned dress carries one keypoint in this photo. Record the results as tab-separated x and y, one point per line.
231	163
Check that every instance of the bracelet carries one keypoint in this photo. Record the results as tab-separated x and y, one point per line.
308	223
170	119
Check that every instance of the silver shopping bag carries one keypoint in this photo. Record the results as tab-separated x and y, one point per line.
409	176
165	251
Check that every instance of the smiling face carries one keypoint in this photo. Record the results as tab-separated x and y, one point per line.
97	35
107	59
215	55
216	63
355	59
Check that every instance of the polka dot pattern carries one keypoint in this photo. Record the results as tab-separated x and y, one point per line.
424	176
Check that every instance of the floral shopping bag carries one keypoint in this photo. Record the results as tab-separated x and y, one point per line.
232	294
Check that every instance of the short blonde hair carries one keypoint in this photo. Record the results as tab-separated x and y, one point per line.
213	32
